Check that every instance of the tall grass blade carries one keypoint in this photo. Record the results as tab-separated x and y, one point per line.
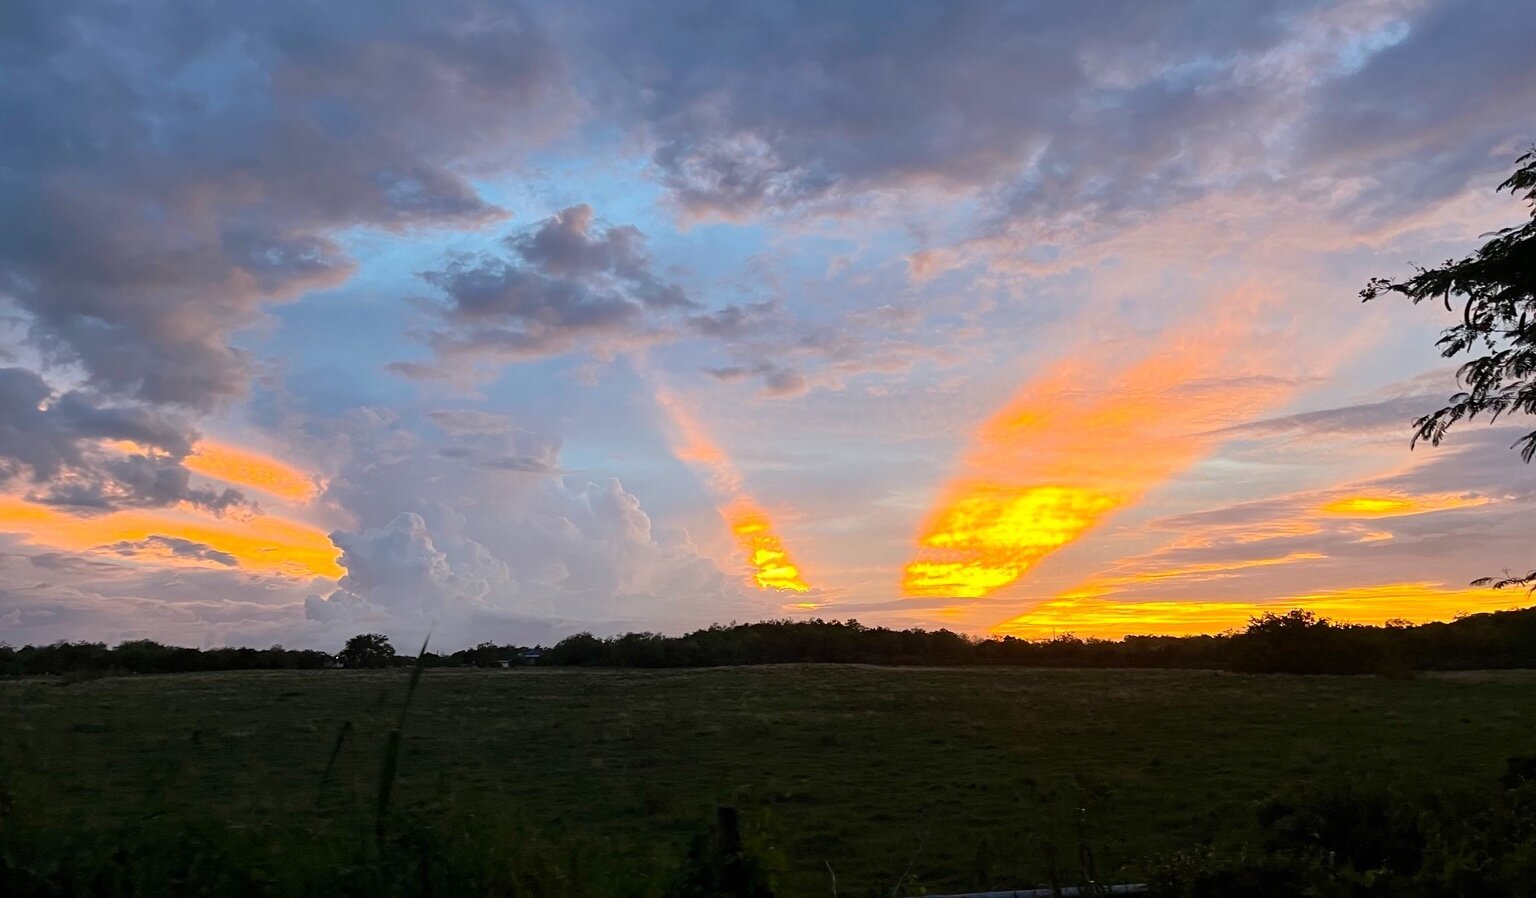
330	764
392	746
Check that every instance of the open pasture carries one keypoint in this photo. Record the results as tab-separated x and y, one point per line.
966	778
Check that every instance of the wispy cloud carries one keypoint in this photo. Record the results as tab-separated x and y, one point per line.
768	561
1076	444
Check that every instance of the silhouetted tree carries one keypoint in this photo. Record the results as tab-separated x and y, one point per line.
1496	288
367	650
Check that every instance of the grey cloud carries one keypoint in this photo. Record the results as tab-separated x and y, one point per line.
1367	418
168	166
1060	116
54	442
61	563
566	246
530	464
137	480
778	381
738	321
785	382
790	359
493	442
729	374
566	281
459	421
181	548
755	107
1432	113
1474	459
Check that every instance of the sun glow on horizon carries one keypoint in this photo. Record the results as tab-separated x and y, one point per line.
1092	617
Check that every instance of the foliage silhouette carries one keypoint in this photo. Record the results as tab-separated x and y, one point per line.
1355	839
1293	642
367	650
1496	288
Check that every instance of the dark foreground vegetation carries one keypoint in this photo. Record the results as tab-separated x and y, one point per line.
570	781
1295	642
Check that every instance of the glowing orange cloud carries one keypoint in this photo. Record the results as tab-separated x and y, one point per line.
1392	506
989	535
1091	617
1209	570
264	543
251	470
770	564
1072	447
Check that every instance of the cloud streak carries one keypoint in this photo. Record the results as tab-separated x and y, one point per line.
1074	445
768	561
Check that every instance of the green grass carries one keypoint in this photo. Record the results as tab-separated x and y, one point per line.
965	776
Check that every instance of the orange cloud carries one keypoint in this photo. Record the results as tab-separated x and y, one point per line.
1398	505
772	567
1073	446
1210	570
769	563
251	470
265	543
988	535
1087	616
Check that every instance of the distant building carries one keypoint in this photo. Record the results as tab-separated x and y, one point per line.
526	656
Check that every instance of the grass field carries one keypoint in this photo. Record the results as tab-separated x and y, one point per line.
961	777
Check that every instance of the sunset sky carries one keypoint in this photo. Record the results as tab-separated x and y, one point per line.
508	321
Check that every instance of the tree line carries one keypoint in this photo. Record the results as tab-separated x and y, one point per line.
1297	641
145	656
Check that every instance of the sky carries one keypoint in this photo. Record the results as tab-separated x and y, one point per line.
503	321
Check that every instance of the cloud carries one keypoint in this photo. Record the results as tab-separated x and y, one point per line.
468	421
1049	126
1373	604
174	546
57	442
1387	415
752	108
1428	113
452	542
1441	519
768	562
168	167
790	358
397	568
564	282
739	321
1078	443
779	382
494	443
267	544
253	470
